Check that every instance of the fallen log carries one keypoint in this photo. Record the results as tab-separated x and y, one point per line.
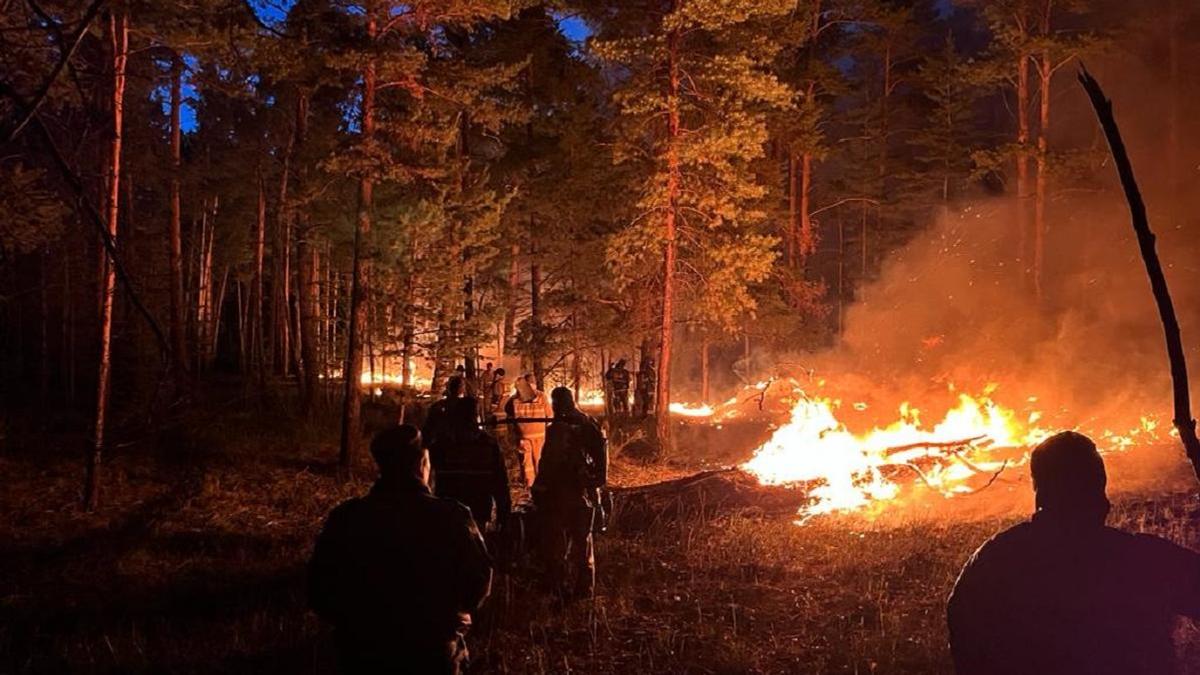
701	495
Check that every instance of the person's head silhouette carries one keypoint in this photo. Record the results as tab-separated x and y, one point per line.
399	452
562	401
465	413
455	386
1069	479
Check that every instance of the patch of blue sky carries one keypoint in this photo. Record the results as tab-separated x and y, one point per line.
572	26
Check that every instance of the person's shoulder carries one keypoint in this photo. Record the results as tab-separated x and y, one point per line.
429	508
582	418
444	508
346	511
1003	544
1151	547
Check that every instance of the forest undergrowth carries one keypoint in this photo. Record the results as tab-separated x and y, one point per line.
195	564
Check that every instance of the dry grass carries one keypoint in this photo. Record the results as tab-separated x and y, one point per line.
195	566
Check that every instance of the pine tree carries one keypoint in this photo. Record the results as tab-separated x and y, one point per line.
945	143
693	103
400	134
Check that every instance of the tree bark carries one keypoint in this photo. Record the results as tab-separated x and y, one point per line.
1039	204
214	330
704	346
204	291
662	395
808	241
307	287
282	279
175	230
257	329
241	326
1022	154
1045	74
119	37
510	313
535	314
793	226
359	281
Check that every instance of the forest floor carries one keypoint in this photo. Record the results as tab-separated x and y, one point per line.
195	564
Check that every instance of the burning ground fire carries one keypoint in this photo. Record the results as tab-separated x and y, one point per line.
847	470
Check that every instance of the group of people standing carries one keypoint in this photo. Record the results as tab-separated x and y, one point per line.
399	571
617	381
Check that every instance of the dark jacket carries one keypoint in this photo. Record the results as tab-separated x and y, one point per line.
574	463
1049	597
437	420
398	573
468	467
618	378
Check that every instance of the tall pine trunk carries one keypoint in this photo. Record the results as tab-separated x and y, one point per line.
214	331
1022	154
175	230
807	244
704	391
535	314
257	330
281	286
662	395
510	312
307	288
793	208
359	281
1045	73
1039	209
808	241
119	34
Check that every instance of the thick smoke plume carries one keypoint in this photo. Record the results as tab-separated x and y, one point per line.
954	311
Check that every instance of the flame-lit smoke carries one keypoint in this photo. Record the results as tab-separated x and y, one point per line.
950	314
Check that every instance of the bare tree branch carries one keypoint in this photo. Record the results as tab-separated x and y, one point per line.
68	51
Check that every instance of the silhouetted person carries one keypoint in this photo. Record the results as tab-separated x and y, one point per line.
526	406
436	420
566	494
399	571
496	390
1063	593
618	378
647	387
483	386
468	466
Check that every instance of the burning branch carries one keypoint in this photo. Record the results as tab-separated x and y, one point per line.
993	478
1184	422
932	445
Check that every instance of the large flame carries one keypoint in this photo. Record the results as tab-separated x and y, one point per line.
847	470
974	442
